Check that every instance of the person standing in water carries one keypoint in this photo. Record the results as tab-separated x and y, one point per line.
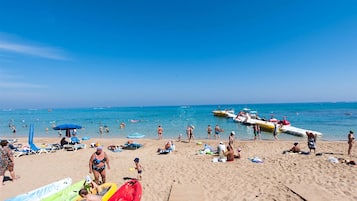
160	131
275	132
256	129
209	131
217	131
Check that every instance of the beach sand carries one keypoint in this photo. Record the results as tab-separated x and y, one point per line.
279	177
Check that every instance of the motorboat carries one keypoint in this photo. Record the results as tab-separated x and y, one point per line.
245	116
298	131
224	113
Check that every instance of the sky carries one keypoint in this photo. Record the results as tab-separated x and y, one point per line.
86	53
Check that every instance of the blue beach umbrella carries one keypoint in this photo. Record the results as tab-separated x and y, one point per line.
31	133
68	128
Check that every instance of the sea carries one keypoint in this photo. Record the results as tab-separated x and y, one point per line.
333	119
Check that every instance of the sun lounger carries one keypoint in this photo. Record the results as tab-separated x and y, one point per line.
22	152
73	147
131	146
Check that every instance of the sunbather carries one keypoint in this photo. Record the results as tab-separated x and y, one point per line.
229	153
295	148
89	197
168	148
64	141
75	139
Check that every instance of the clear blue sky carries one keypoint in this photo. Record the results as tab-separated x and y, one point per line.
138	53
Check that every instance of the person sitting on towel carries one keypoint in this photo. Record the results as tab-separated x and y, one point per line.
295	148
229	153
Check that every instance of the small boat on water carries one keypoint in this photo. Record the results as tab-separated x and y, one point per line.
224	113
245	115
298	131
266	125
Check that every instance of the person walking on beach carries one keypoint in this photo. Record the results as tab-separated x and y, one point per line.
97	165
139	168
217	131
256	129
160	131
209	131
7	161
275	132
351	140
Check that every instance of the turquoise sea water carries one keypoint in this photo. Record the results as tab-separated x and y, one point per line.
333	120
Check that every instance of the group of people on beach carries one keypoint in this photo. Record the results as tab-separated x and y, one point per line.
98	163
189	133
226	153
311	143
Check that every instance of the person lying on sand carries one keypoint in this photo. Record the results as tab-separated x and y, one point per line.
168	147
89	197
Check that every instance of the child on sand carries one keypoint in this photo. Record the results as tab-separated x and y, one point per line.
139	168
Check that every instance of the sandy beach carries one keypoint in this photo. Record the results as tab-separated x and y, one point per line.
279	177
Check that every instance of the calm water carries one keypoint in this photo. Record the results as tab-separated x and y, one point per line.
334	120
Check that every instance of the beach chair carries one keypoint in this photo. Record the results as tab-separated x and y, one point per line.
75	140
22	152
37	150
73	147
131	146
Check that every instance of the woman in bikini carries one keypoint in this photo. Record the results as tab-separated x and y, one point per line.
97	165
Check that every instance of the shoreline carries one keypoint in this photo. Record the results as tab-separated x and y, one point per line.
241	179
321	139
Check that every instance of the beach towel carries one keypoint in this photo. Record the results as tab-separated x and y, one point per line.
164	152
333	160
216	160
256	159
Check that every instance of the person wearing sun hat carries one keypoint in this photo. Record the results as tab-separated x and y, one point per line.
351	140
190	133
